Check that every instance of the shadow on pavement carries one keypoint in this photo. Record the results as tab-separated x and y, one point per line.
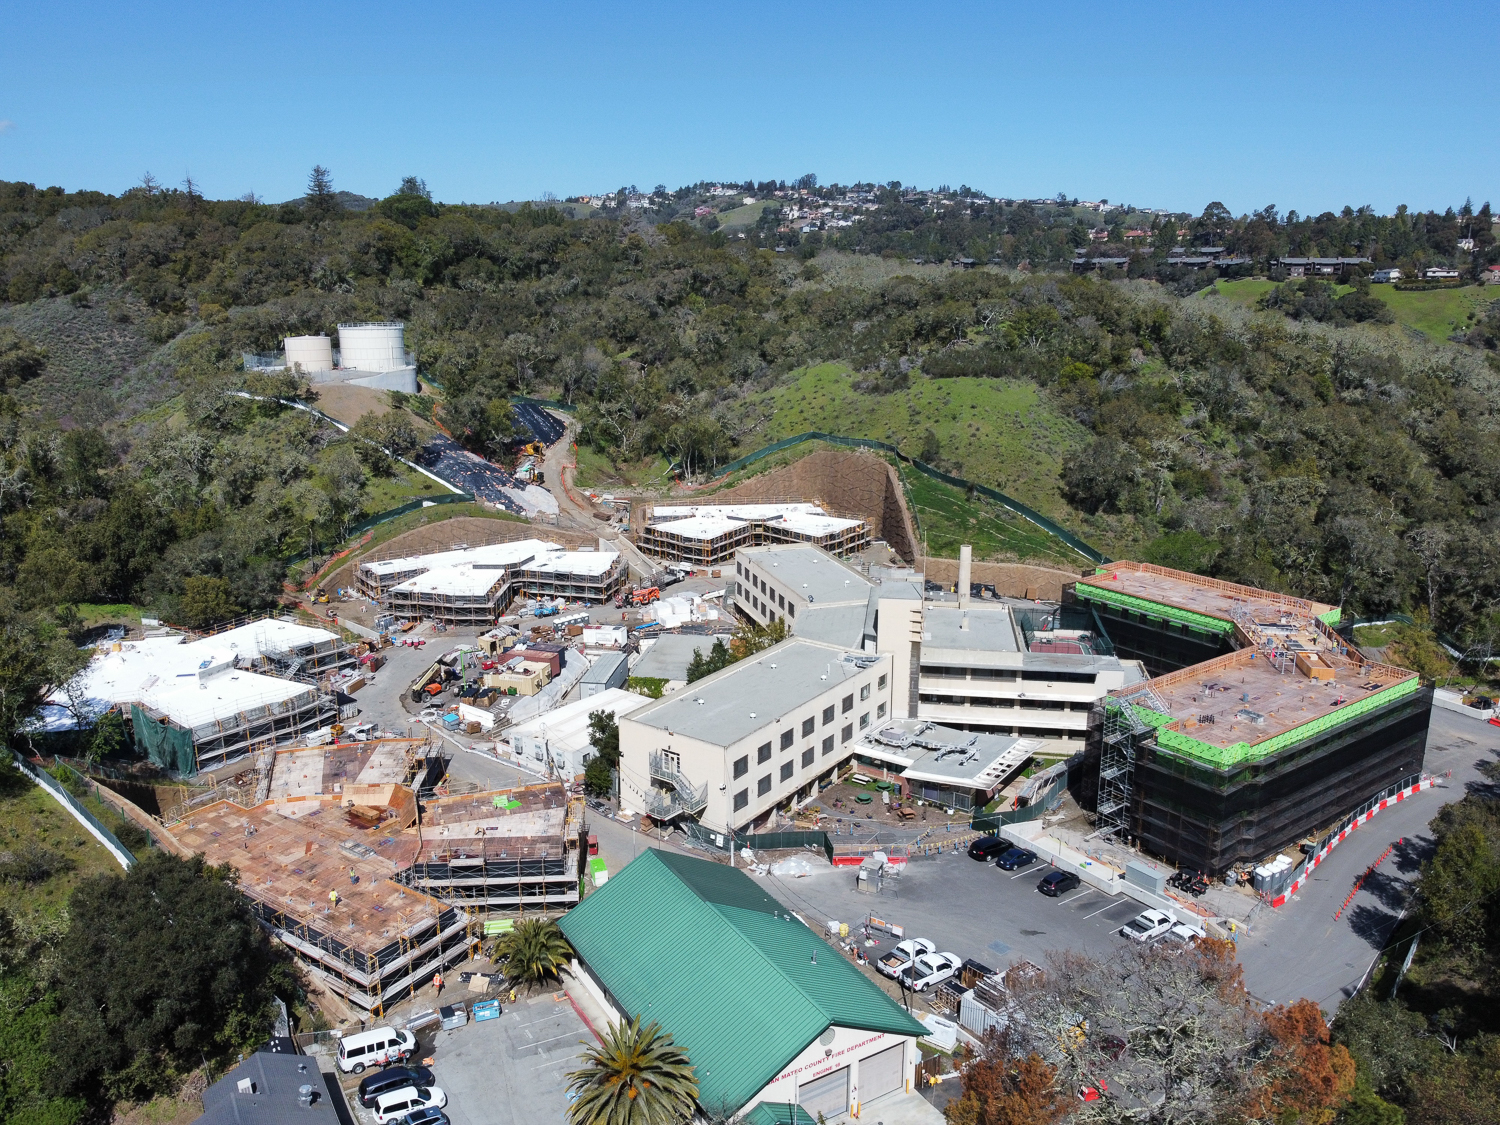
1372	924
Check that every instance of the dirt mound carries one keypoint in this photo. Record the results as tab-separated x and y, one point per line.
1014	580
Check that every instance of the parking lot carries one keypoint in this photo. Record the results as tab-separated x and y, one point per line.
966	907
511	1070
506	1071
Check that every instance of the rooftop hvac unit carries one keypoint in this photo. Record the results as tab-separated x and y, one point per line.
313	353
372	347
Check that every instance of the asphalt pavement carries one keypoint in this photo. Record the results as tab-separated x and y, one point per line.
445	458
1301	950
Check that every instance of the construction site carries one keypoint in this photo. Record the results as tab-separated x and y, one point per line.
357	859
708	534
1261	727
197	702
475	585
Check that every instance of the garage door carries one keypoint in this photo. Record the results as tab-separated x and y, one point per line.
828	1095
882	1073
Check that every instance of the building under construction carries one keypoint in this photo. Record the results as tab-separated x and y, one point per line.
517	850
199	703
475	585
1262	725
373	878
706	534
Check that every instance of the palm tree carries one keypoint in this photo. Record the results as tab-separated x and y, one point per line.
532	952
636	1077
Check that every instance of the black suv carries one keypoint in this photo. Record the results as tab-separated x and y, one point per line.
392	1078
987	847
1056	883
1016	857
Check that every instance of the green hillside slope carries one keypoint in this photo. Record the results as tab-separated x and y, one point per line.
999	432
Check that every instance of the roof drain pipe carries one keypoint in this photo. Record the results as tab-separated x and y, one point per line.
965	565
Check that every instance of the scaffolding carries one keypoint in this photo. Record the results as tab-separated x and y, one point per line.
1122	730
452	608
658	536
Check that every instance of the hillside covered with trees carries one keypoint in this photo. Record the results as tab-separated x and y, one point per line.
1342	458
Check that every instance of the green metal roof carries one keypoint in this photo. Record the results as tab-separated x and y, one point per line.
777	1113
741	985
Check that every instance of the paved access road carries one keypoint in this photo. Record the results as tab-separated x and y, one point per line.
1300	950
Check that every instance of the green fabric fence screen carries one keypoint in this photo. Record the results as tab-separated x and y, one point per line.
1047	525
168	746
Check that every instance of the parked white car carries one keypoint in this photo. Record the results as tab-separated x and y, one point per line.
1148	925
929	969
1183	934
398	1103
898	959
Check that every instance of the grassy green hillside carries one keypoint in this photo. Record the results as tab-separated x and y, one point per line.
1436	313
997	432
947	519
746	216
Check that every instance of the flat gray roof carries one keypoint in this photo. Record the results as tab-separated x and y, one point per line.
669	655
813	573
751	694
601	669
946	756
990	628
842	625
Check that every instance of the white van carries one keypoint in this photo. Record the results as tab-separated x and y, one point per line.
398	1103
377	1047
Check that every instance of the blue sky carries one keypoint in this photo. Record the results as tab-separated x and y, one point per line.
1307	106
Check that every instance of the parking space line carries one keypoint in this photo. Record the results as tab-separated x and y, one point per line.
1018	874
1102	909
555	1038
1080	898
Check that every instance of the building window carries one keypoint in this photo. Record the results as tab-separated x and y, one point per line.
864	693
742	766
828	714
791	611
781	601
741	799
786	770
881	684
1059	677
764	753
763	786
864	720
847	733
880	711
848	704
807	757
786	739
807	726
828	745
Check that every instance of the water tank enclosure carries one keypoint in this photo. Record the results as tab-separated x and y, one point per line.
372	347
313	353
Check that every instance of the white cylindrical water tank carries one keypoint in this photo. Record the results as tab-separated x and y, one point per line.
314	353
372	347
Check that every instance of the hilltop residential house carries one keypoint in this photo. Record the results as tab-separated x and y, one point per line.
1382	276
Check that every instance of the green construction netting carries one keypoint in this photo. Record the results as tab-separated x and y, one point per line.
168	746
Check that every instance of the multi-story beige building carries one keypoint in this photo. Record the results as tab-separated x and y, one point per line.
1028	671
752	741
